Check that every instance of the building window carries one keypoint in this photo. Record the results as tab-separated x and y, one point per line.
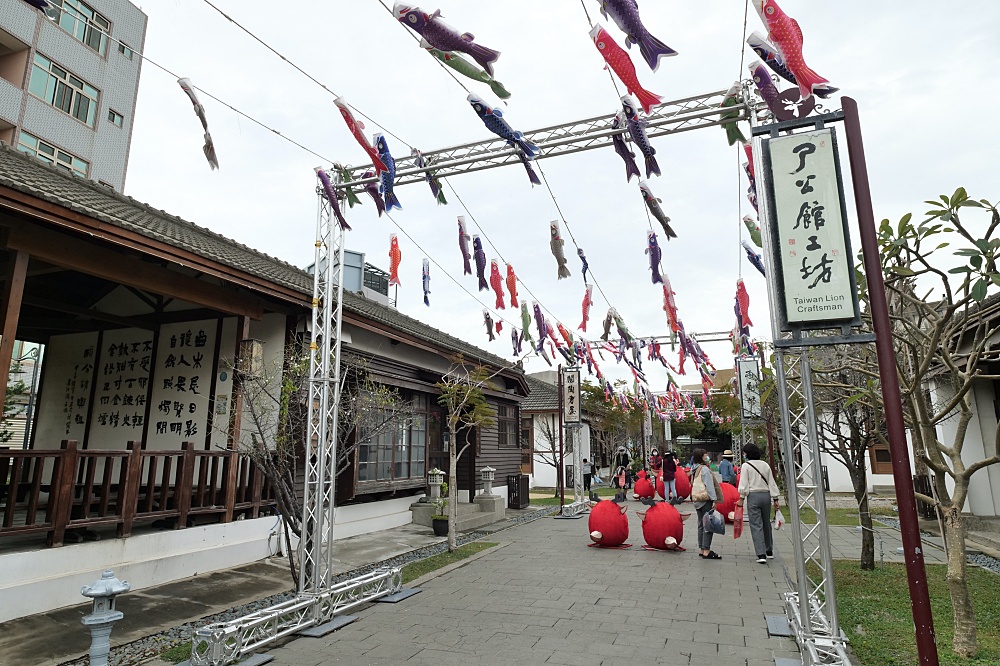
115	118
507	430
66	92
80	20
881	459
527	445
125	50
399	452
31	145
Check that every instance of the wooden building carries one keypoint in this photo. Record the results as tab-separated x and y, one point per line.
139	419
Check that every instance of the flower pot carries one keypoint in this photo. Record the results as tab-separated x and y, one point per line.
440	526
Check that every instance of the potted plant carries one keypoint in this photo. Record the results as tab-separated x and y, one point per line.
439	519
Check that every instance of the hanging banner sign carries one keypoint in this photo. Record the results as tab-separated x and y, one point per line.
810	243
571	395
748	373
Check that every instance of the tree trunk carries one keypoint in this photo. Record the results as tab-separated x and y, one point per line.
291	555
452	490
860	480
964	640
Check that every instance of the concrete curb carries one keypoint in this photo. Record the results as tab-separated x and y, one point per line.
430	575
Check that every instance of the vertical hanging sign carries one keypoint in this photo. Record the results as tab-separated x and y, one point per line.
748	373
571	396
808	227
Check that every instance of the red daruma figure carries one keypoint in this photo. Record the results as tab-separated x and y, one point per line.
644	489
683	483
662	527
608	524
730	496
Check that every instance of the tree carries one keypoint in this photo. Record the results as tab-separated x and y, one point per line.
849	423
276	402
11	407
945	329
467	410
611	426
548	452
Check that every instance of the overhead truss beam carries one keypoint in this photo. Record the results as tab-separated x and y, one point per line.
672	117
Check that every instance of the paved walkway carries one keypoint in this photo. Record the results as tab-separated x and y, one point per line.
546	598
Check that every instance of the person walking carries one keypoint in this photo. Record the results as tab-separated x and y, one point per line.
758	491
726	469
705	497
669	476
588	472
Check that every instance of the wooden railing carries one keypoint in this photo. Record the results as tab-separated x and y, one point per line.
53	491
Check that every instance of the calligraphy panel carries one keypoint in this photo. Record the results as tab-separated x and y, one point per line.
123	365
185	361
68	371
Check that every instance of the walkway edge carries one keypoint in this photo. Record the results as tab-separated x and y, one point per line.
430	575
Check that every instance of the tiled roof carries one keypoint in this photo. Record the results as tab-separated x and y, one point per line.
35	178
542	396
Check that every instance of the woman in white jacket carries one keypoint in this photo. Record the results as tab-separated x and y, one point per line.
759	491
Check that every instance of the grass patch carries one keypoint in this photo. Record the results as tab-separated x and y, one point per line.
415	570
840	516
177	654
875	614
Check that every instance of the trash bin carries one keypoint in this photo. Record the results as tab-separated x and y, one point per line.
517	491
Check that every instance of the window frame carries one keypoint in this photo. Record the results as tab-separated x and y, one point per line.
55	157
879	466
395	440
57	84
84	27
115	118
508	427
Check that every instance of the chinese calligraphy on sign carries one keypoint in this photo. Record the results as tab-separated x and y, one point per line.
809	231
184	366
122	380
571	395
748	373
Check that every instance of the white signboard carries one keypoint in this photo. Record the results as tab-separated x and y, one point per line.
571	395
68	374
123	365
748	373
812	246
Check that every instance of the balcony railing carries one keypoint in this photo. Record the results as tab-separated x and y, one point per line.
52	491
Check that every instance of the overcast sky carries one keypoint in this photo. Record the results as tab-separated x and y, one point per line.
922	72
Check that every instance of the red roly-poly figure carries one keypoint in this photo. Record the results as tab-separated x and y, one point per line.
662	527
608	524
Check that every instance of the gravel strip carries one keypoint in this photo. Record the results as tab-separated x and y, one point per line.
150	647
980	559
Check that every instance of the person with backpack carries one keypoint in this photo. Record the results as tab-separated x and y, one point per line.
758	491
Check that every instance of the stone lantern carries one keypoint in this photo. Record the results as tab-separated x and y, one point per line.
435	478
488	474
103	616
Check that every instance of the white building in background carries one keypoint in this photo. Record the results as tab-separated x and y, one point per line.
540	423
69	78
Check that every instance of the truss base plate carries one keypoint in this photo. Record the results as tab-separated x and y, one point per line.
252	660
778	625
404	593
329	627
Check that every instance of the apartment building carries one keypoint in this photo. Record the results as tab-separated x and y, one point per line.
69	77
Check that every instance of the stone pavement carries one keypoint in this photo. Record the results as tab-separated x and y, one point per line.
547	598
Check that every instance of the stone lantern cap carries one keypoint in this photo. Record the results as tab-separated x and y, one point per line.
488	472
107	586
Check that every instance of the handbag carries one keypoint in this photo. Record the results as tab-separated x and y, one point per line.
714	523
699	493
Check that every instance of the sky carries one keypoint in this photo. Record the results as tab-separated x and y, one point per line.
920	71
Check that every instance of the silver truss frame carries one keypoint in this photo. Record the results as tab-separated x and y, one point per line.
316	541
227	642
671	117
811	600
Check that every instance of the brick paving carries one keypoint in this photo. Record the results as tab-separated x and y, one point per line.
546	598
